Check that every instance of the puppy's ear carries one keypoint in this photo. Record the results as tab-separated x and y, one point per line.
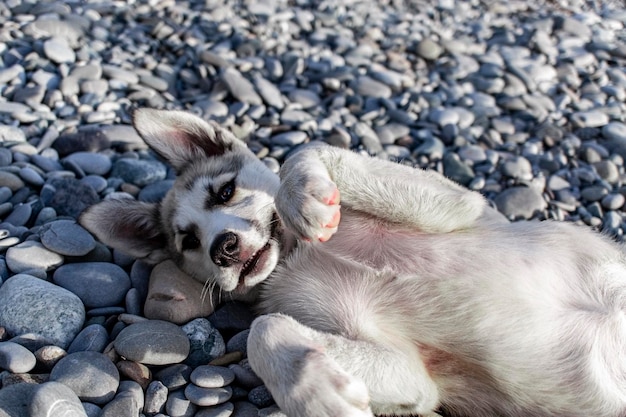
131	226
181	137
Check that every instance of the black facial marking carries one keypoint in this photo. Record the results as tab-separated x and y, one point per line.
191	239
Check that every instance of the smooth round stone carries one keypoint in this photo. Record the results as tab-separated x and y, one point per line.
58	51
55	399
97	182
590	118
123	405
369	87
136	372
260	396
272	411
520	202
11	181
240	87
155	192
238	343
607	170
156	397
91	163
205	397
16	358
98	284
593	193
89	140
244	375
92	338
139	172
179	406
428	49
221	410
231	317
91	375
174	377
92	410
206	342
31	176
457	170
174	296
307	98
153	342
66	237
613	201
31	255
245	409
444	117
292	138
269	92
518	167
208	376
32	305
615	131
48	356
15	400
46	215
5	194
20	215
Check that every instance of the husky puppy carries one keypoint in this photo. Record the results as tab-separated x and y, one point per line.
384	289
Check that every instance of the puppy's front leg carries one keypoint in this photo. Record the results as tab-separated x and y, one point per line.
316	180
317	374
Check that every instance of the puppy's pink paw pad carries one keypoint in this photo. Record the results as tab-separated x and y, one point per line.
333	199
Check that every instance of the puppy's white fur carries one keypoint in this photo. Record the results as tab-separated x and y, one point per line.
422	298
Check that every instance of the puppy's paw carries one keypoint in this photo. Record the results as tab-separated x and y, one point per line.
309	207
325	390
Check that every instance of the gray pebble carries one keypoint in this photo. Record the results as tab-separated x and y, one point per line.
179	406
208	376
518	168
174	377
153	342
92	338
20	215
260	396
91	163
292	138
206	342
58	51
369	87
66	237
31	255
16	358
55	399
139	172
91	375
98	284
245	376
156	397
221	410
520	202
91	409
613	201
240	87
207	396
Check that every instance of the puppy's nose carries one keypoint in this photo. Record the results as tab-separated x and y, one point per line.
225	249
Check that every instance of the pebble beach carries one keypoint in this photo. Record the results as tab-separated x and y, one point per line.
522	101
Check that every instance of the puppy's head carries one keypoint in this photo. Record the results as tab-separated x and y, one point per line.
218	222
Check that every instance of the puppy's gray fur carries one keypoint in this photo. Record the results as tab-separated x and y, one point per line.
421	297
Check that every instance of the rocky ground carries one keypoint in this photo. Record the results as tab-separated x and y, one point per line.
522	101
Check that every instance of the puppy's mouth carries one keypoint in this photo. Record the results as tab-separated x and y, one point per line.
255	263
256	268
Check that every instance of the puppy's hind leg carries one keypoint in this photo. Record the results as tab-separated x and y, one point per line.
317	374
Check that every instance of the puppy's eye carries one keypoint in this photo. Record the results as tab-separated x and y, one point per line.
190	242
226	191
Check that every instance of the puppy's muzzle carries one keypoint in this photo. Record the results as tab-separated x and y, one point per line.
225	249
